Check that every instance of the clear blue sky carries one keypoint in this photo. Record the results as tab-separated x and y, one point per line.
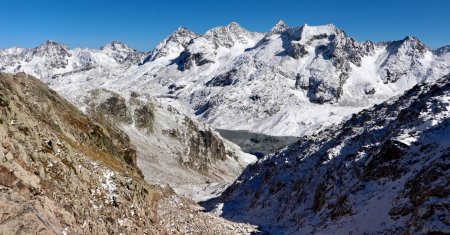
142	24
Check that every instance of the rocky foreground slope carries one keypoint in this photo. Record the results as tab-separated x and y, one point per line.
61	173
385	170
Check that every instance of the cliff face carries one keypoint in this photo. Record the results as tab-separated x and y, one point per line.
62	173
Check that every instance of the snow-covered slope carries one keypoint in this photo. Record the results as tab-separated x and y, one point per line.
172	149
288	81
173	45
385	170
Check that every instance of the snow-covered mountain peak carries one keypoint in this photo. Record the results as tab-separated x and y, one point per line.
308	30
279	27
306	34
172	45
11	51
410	38
181	28
230	35
51	48
442	50
414	41
408	44
180	33
116	46
40	61
50	43
220	43
233	26
408	57
121	53
52	59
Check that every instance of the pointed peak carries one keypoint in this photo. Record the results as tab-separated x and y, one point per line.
233	25
410	38
279	27
115	45
50	43
51	48
442	50
280	24
182	32
228	35
172	44
408	43
181	29
231	28
405	41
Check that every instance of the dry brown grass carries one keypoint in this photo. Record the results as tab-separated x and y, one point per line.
80	124
6	178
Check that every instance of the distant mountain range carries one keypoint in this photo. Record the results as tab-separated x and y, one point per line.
287	82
